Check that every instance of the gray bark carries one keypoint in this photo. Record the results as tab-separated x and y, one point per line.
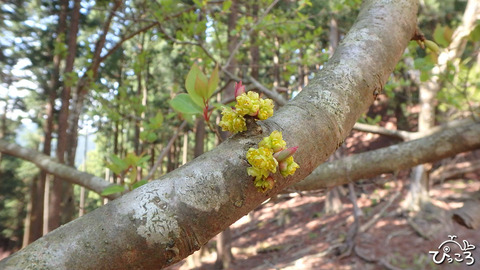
444	143
164	221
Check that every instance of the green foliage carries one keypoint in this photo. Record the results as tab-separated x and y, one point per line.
442	35
151	127
126	168
199	88
183	103
424	65
475	34
112	190
60	48
369	120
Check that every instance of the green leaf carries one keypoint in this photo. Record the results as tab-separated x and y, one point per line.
424	76
171	115
112	190
157	121
151	137
139	184
183	103
201	88
120	163
438	36
213	82
226	5
142	161
190	84
114	168
475	34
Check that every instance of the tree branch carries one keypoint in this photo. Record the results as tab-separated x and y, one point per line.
51	166
131	35
444	143
164	221
399	134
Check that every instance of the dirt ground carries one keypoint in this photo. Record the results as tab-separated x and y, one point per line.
293	232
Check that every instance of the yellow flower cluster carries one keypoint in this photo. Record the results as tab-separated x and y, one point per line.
266	109
232	121
264	160
274	141
247	104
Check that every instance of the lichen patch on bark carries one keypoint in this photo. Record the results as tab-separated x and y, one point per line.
156	221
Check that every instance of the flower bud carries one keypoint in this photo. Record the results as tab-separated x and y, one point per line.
239	89
288	166
285	153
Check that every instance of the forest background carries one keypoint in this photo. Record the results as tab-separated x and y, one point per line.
98	86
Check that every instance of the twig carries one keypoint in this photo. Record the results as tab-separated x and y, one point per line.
400	134
417	229
165	150
382	262
380	213
214	130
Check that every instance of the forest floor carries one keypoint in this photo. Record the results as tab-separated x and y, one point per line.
293	232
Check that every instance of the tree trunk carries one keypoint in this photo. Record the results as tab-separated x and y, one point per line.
162	222
63	138
224	253
418	193
254	50
333	202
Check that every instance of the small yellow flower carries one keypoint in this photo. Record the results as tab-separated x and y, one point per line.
264	184
259	174
274	141
266	109
262	158
232	121
288	167
248	103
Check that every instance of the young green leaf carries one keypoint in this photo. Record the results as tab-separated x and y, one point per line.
438	36
190	84
213	82
139	184
201	88
183	103
112	190
157	121
120	163
114	168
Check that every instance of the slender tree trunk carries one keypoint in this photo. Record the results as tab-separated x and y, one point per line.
276	63
333	202
3	125
254	49
63	138
419	185
224	253
140	92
